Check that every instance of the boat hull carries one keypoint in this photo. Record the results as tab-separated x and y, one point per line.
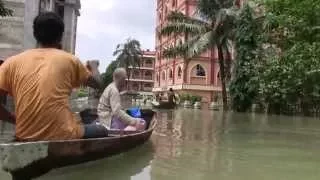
33	159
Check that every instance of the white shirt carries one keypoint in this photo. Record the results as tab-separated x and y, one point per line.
110	106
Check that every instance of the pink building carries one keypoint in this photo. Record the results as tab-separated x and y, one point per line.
202	77
141	79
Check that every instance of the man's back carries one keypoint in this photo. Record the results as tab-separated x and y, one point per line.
41	80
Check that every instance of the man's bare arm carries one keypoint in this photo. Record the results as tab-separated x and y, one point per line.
95	82
5	115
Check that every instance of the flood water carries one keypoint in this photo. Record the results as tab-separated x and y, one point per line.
209	145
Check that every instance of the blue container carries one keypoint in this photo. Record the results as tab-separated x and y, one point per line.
134	112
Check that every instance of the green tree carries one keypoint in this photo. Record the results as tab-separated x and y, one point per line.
128	55
214	29
244	87
291	21
287	81
293	27
4	11
108	75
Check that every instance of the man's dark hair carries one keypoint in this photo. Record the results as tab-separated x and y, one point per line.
171	89
48	29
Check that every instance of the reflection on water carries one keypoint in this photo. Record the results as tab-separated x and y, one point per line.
206	145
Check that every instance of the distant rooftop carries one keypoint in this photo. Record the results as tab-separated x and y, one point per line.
148	53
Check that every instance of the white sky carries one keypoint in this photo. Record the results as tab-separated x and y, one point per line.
105	23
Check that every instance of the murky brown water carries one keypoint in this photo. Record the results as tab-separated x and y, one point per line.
205	145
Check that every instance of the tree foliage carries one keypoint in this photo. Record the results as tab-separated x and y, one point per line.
289	81
292	76
244	87
108	75
4	11
128	55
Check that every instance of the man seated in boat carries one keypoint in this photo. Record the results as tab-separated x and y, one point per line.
110	111
40	81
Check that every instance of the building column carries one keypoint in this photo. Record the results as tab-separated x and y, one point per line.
212	62
31	10
69	14
52	5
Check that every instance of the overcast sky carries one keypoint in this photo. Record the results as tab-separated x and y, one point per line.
105	23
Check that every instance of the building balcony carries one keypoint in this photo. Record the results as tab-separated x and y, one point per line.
188	87
148	77
147	89
141	79
149	67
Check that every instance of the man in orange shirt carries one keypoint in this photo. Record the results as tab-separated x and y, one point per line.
40	81
3	98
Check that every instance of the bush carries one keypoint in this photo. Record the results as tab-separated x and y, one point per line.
195	99
82	93
185	97
191	98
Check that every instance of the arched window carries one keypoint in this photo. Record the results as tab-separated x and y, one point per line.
158	77
200	70
170	74
163	75
179	72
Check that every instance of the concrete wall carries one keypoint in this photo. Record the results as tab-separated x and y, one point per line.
11	29
16	33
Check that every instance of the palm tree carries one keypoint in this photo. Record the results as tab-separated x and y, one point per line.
128	55
4	11
214	29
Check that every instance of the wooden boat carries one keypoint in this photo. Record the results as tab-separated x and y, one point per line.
28	160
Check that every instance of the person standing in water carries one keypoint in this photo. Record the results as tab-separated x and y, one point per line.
171	96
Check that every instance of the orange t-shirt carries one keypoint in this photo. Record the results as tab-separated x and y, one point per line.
40	81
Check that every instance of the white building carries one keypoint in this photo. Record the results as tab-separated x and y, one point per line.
16	32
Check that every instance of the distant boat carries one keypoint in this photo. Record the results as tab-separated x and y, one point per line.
28	160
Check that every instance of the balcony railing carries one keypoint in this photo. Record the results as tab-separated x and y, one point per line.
148	78
148	65
135	77
147	89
